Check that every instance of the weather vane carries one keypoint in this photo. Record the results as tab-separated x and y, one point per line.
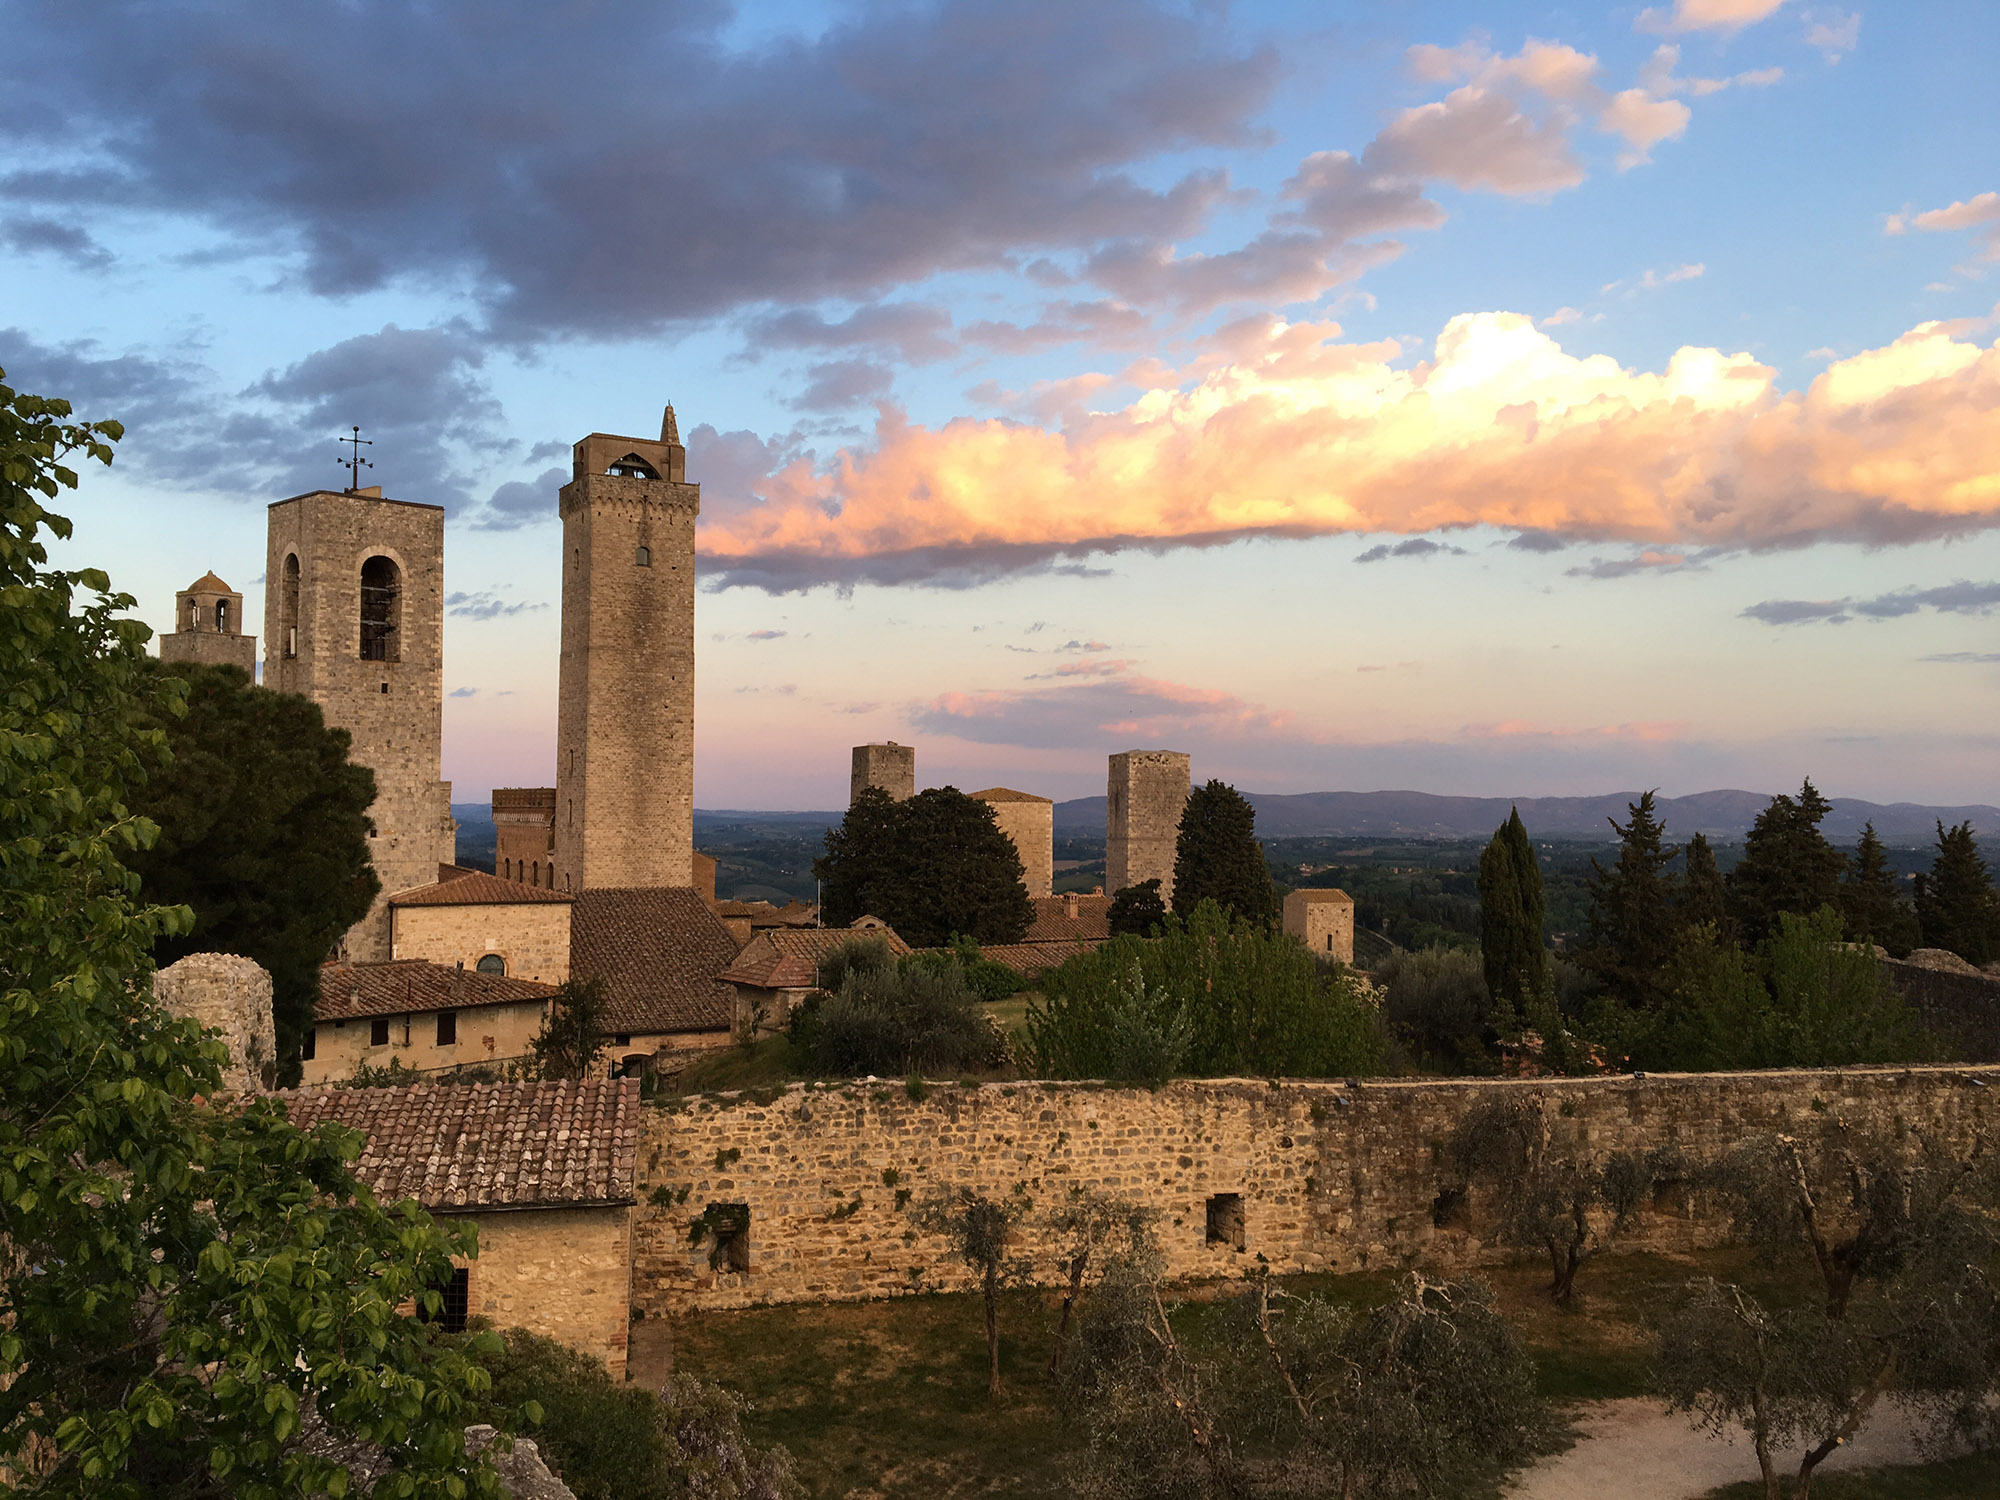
355	463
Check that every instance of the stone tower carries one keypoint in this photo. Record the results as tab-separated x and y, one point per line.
892	767
624	813
354	620
1143	800
1030	821
1324	921
208	627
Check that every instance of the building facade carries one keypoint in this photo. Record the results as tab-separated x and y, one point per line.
1145	794
524	827
208	627
1324	921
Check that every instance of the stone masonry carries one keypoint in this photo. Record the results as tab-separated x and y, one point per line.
1312	1176
1030	821
208	627
524	826
892	767
624	814
381	678
1143	800
232	995
1323	920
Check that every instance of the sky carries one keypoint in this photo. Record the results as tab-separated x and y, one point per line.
1469	398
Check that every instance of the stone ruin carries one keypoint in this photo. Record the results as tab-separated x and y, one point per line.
232	995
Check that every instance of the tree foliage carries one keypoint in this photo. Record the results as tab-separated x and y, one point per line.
183	1284
1217	857
1956	904
1137	909
1703	893
1870	901
980	1229
1512	913
1787	867
890	1017
573	1035
1437	1005
263	833
933	867
1632	917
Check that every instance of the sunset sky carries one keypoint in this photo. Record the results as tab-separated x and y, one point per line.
1471	398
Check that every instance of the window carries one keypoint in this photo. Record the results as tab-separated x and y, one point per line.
456	1304
222	616
536	877
643	557
309	1045
378	1032
447	1034
729	1230
194	615
492	963
381	610
632	466
623	1039
1329	942
288	605
1225	1220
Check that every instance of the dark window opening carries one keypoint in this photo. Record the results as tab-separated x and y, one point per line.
729	1228
644	557
631	466
455	1305
288	604
1225	1220
492	963
309	1045
1448	1208
622	1039
381	610
447	1028
378	1032
222	616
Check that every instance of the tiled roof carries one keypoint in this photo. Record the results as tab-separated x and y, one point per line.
524	799
1092	921
751	909
658	951
453	872
475	888
1007	794
208	583
1324	896
1031	960
478	1145
407	985
788	958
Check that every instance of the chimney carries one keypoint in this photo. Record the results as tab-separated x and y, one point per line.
1069	905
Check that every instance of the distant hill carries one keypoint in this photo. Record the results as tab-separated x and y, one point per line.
1720	815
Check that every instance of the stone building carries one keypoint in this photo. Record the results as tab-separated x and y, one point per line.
624	814
354	620
1030	821
524	831
232	995
892	767
429	1017
780	967
544	1171
658	952
1324	921
208	627
484	923
1144	797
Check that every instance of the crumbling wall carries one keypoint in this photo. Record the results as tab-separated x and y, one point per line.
233	995
1961	1007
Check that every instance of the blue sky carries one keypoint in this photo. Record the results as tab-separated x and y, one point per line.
1475	398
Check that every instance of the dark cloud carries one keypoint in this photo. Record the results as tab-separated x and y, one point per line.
1092	713
31	234
1416	546
1798	611
463	693
1103	322
842	383
1335	195
1968	658
1537	541
1959	597
486	605
524	502
1649	561
917	333
610	169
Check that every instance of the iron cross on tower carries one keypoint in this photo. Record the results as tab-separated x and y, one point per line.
354	463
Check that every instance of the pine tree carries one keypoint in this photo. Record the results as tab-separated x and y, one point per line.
1868	899
1138	909
1787	865
1217	857
1956	904
1512	912
1632	916
1702	901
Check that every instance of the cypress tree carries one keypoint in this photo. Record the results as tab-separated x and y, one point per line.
1512	911
1701	903
1787	865
1632	916
1217	857
1956	905
1868	899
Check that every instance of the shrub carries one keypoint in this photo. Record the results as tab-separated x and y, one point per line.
1438	1004
895	1019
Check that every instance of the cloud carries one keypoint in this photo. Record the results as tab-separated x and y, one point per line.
1652	280
1649	731
1957	598
32	234
1726	16
1835	34
916	332
1966	658
1478	138
1104	322
1980	212
1416	546
1799	611
464	692
1092	713
520	503
1561	316
1651	560
839	384
1643	120
766	635
1537	541
1083	646
374	143
1295	433
486	605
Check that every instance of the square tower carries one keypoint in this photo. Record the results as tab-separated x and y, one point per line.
1143	800
624	814
892	767
1324	921
208	627
354	620
524	834
1030	821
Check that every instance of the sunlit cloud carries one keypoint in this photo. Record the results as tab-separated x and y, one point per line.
1727	16
1981	212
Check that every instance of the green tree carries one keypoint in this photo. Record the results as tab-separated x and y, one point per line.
1956	904
1088	1228
1703	895
920	1015
1787	865
180	1283
1438	1006
1832	1004
1512	913
933	867
1632	917
1137	909
979	1230
1217	857
573	1035
263	832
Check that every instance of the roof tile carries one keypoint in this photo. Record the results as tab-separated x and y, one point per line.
406	986
658	951
788	958
475	888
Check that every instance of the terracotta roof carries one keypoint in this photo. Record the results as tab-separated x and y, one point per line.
658	951
1007	794
475	888
752	909
404	986
1092	921
453	872
477	1145
1032	960
208	583
788	958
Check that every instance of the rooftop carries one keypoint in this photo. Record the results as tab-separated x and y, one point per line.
208	583
658	951
1054	924
1008	794
1317	896
405	986
474	888
788	958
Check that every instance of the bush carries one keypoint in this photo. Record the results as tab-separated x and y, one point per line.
891	1019
1438	1004
1209	998
988	980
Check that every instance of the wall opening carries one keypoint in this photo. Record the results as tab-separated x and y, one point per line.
288	605
378	1032
1225	1220
447	1028
632	466
309	1044
728	1226
492	963
381	609
1449	1209
222	617
643	557
455	1302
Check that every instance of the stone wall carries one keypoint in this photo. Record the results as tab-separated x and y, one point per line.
232	995
1328	1176
532	936
1961	1009
1030	822
562	1272
1144	796
892	767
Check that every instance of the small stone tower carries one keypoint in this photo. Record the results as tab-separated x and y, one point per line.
1030	821
624	813
892	767
1324	921
354	620
1143	800
524	827
208	627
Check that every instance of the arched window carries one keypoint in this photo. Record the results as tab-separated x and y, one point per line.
288	606
194	615
631	466
536	878
644	557
493	963
381	609
222	616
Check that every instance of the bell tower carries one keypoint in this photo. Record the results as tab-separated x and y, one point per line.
624	812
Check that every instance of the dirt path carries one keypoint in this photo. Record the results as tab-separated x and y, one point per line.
1635	1450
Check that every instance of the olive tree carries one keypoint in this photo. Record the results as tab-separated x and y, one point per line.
980	1230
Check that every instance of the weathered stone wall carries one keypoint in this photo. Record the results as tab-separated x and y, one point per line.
562	1272
233	995
532	936
892	767
1330	1176
1962	1010
1145	793
1324	921
486	1034
1031	823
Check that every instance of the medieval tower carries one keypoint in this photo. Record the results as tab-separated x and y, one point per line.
208	627
892	767
624	813
1145	794
354	620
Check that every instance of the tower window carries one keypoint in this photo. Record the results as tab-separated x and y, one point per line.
644	557
378	1032
631	466
381	609
288	605
194	615
222	616
492	963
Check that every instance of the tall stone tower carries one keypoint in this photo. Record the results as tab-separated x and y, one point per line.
208	627
625	711
1143	800
892	767
354	620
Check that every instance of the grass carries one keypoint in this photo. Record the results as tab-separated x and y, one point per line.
1974	1477
765	1063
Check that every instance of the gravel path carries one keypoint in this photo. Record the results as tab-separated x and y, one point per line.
1635	1450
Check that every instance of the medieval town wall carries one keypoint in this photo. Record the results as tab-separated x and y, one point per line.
1330	1176
531	936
